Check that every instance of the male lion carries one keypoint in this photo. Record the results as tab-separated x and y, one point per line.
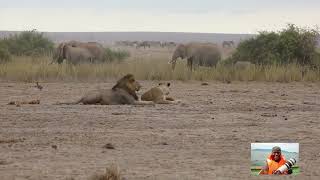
159	94
124	92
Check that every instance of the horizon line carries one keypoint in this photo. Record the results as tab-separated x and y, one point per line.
271	149
129	32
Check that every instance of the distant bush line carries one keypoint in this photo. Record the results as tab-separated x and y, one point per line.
27	43
291	45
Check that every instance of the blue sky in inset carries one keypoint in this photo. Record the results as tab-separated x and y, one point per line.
245	16
291	147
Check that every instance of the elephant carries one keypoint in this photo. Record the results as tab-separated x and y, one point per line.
201	54
143	44
73	55
227	44
95	49
155	43
168	44
242	65
125	43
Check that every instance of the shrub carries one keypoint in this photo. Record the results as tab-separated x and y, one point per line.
112	173
291	45
29	43
4	53
115	55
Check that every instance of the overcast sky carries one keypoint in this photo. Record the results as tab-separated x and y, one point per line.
290	147
211	16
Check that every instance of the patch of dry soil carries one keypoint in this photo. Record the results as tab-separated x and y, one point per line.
205	137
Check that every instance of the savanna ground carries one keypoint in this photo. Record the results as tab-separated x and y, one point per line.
207	136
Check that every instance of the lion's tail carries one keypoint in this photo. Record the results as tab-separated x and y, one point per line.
69	103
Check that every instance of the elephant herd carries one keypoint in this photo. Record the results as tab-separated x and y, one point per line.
197	54
146	44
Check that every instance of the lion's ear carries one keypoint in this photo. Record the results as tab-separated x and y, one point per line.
168	84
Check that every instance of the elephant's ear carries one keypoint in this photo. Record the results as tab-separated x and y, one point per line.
64	50
183	51
178	52
181	47
61	52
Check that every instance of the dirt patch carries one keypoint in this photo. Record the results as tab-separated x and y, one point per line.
205	137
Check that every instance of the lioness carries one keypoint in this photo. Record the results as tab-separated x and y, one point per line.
159	94
124	92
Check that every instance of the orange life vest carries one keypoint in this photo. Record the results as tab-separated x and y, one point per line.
273	165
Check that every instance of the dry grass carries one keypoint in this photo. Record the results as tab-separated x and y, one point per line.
112	173
28	69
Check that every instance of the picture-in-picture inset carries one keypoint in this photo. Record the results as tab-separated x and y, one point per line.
275	158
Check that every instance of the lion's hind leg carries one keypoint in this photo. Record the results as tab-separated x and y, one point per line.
164	100
143	103
169	99
68	103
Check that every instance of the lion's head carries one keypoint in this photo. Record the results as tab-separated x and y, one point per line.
129	84
164	86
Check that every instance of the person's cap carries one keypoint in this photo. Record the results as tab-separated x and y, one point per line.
276	148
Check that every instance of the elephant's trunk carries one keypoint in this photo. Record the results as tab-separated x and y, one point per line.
53	61
173	63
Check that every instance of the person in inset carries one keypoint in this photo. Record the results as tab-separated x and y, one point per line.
273	162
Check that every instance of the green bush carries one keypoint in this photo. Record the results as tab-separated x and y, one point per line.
291	45
316	60
28	43
115	55
5	55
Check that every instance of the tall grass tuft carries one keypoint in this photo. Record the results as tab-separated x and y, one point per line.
112	173
30	69
115	55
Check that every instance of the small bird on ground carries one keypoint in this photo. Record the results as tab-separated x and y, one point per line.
38	86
